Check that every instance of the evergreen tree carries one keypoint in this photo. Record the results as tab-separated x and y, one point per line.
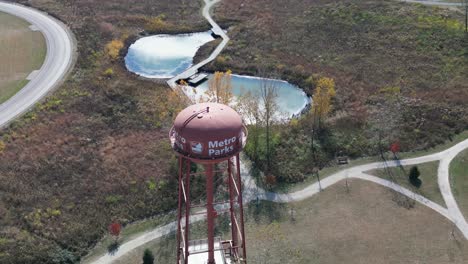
148	257
414	173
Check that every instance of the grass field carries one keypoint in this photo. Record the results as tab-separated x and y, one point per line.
366	47
459	180
96	151
362	226
429	187
22	52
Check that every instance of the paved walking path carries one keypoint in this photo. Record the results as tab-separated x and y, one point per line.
452	212
433	3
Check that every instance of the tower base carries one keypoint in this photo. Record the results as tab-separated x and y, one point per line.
199	252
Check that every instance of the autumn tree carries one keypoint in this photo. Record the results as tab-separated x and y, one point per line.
220	88
323	95
173	103
2	146
395	147
114	230
113	48
321	107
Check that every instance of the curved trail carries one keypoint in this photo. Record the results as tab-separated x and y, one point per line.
452	212
58	61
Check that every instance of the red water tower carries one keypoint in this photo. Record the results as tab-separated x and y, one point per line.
211	135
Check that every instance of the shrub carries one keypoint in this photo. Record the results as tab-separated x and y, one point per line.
109	72
148	257
62	256
2	146
414	176
156	24
113	48
414	173
112	199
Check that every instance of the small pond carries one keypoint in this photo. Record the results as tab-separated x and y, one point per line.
291	99
164	56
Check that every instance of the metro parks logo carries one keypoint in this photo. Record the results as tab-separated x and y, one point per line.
221	147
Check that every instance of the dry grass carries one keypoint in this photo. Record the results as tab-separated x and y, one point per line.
362	226
95	151
22	52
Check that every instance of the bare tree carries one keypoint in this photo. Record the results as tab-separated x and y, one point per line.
465	5
248	106
269	96
386	117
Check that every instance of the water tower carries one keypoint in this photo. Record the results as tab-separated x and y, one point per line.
211	135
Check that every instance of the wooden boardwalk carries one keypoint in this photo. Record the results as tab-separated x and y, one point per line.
216	29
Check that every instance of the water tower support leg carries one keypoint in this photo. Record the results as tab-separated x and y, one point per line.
179	211
232	198
187	209
241	209
210	211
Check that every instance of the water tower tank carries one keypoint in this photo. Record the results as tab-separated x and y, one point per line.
208	132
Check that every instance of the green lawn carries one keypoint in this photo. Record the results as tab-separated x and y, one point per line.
429	187
22	52
459	180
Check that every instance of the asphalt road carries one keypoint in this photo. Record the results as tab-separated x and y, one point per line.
58	61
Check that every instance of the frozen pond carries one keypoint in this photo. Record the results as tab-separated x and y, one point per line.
291	99
164	56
